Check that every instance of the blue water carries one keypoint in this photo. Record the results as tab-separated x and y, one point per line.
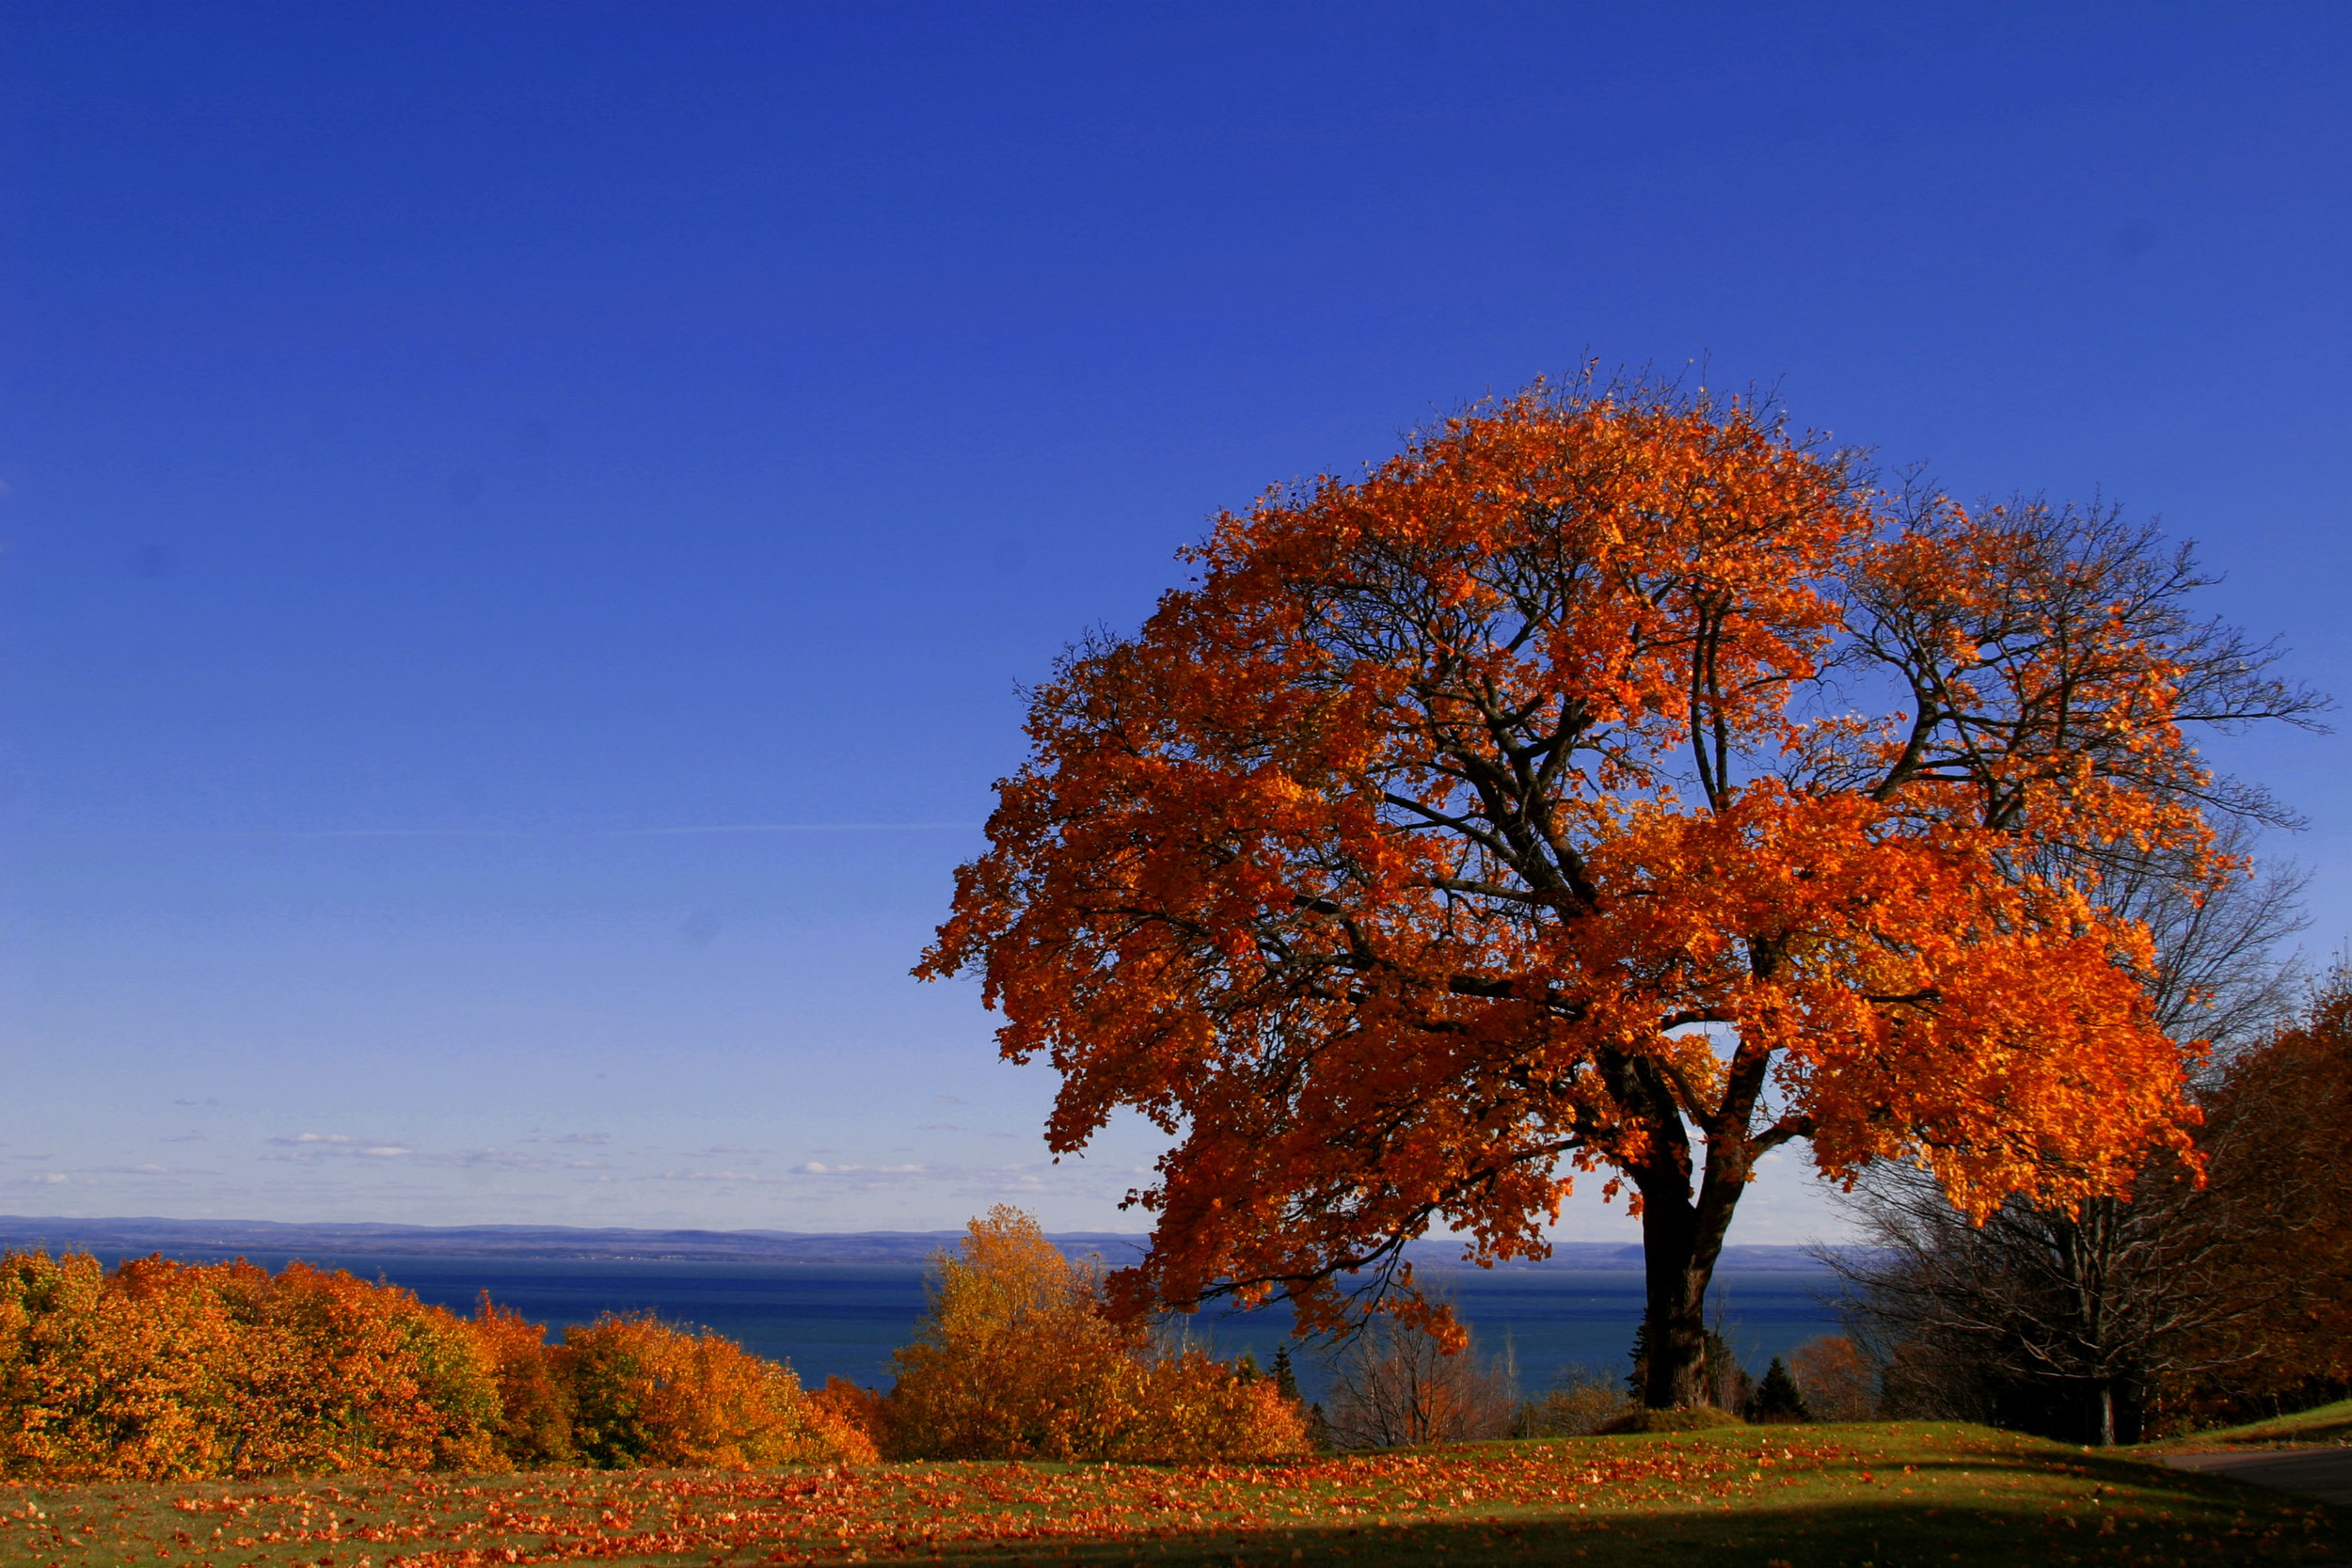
845	1319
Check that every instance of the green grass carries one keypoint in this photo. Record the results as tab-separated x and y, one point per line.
2329	1425
1745	1498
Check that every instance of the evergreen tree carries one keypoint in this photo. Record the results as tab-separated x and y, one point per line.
1286	1380
1777	1397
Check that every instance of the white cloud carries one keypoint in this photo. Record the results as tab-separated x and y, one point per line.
510	1161
717	1176
311	1146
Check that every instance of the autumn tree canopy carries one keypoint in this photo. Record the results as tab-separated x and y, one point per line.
1610	781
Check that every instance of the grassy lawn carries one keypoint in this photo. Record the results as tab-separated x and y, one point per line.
1800	1496
2330	1425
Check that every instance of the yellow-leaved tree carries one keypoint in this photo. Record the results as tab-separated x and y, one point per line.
1017	1359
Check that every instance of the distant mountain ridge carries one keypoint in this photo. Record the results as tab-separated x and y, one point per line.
113	1239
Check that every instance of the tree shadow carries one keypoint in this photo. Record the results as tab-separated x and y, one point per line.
2212	1521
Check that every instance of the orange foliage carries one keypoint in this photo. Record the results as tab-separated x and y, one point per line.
1838	1381
645	1393
1188	1406
95	1383
164	1371
1017	1360
160	1370
2282	1120
1509	810
534	1425
853	1417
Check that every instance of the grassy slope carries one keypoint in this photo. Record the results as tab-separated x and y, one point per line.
2327	1426
1759	1497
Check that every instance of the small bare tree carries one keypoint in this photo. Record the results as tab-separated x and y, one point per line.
1392	1384
1838	1382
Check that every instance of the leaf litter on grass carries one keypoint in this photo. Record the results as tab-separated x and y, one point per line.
1794	1494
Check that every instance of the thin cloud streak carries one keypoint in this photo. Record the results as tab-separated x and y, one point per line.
715	827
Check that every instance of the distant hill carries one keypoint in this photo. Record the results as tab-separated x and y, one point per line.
114	1239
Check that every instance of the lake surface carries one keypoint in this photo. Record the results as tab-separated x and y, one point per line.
845	1319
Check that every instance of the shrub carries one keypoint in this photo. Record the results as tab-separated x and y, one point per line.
1017	1359
103	1382
535	1421
643	1392
161	1372
1582	1401
339	1374
164	1371
1702	1417
1185	1405
854	1416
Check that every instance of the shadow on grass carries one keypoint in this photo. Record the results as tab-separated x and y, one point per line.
2165	1518
1811	1538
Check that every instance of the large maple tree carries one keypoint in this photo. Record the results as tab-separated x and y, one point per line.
1609	782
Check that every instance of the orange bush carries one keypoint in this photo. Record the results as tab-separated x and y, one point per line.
645	1393
535	1420
1017	1359
165	1371
341	1374
103	1382
853	1415
160	1371
1187	1406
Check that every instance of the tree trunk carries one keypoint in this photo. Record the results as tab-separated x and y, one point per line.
1675	1313
1680	1244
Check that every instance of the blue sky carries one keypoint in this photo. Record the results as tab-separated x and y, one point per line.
524	523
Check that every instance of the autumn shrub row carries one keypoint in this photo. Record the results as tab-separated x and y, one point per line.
160	1371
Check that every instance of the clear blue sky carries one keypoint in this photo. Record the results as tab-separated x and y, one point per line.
524	522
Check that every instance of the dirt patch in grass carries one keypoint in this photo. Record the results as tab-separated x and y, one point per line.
1754	1498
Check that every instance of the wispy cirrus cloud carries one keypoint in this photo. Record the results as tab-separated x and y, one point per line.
511	1159
685	830
306	1146
762	1178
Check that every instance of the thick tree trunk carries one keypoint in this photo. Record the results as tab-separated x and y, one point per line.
1677	1309
1681	1241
